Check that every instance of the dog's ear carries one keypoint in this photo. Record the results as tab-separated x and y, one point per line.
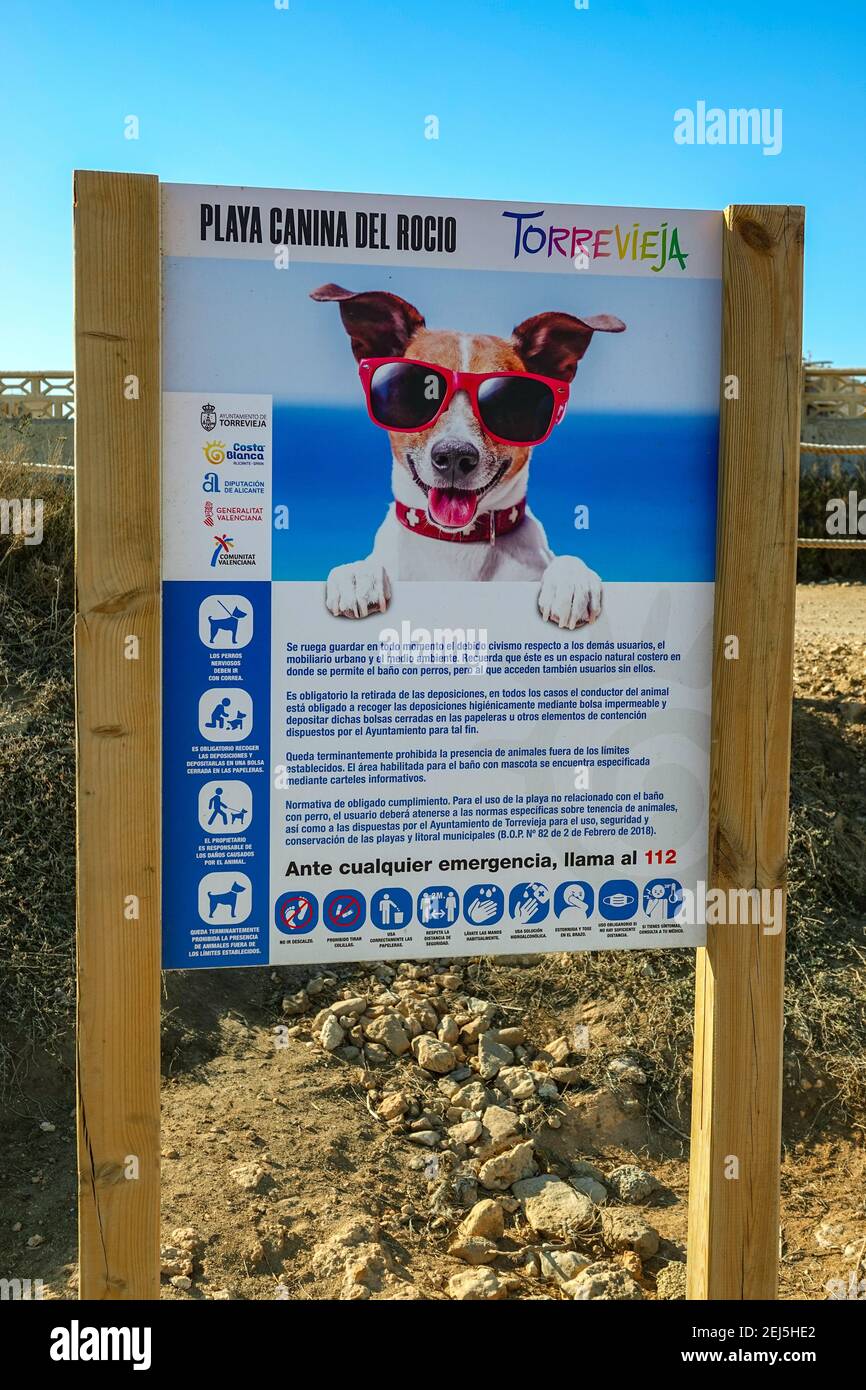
552	344
379	324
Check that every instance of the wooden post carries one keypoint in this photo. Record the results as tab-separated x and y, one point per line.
117	674
737	1093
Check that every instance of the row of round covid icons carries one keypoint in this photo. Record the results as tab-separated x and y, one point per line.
439	907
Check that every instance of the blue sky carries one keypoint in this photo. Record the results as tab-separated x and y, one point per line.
535	99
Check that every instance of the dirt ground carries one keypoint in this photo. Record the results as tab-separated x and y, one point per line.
279	1171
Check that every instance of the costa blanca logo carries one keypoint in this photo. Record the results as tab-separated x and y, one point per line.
208	417
214	451
246	453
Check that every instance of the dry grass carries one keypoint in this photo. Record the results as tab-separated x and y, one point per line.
37	778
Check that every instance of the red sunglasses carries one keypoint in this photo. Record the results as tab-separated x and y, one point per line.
511	407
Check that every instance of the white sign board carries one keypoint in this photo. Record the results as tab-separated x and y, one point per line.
439	500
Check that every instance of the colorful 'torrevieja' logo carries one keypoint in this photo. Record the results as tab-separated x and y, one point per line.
584	244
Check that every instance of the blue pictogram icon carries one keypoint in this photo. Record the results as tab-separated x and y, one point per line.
529	903
617	899
662	899
391	909
438	907
573	903
296	913
483	904
344	910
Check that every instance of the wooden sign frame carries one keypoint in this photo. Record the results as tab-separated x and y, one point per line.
734	1207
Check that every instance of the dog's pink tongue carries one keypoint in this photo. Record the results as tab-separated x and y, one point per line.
451	506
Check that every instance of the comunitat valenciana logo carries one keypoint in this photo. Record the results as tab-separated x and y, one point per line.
224	553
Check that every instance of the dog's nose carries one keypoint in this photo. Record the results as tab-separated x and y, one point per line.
454	456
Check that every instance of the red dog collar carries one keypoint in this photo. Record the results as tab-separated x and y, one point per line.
486	526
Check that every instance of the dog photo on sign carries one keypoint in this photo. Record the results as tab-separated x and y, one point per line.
464	412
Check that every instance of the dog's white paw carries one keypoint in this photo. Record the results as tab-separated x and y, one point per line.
354	591
570	593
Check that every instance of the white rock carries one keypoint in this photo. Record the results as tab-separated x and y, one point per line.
357	1005
627	1069
389	1031
518	1082
393	1105
603	1281
475	1285
483	1009
448	1030
559	1266
499	1172
174	1261
426	1015
830	1235
353	1251
557	1050
595	1191
332	1035
486	1219
627	1230
631	1184
492	1055
433	1055
499	1124
473	1096
552	1207
473	1250
465	1133
249	1176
